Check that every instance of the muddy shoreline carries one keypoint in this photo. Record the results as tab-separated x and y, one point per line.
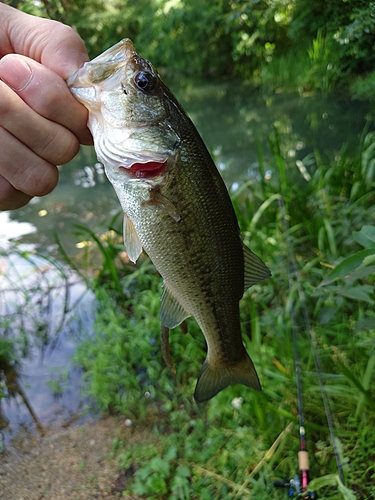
75	463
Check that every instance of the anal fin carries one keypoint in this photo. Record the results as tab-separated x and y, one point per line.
172	313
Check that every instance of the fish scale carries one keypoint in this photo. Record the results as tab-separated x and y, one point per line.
176	207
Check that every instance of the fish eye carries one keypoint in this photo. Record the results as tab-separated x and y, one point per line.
145	81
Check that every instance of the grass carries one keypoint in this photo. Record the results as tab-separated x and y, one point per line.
315	228
318	68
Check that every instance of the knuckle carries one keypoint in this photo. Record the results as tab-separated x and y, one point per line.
23	173
41	183
59	146
11	198
63	31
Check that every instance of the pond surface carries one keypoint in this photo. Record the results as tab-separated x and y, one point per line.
45	309
235	123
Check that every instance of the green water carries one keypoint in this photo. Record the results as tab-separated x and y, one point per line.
235	122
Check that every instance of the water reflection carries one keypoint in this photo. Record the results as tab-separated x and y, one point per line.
87	176
10	230
44	310
236	121
83	196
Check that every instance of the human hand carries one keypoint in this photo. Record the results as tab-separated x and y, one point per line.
41	123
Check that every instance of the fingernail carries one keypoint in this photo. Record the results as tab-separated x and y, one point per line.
15	72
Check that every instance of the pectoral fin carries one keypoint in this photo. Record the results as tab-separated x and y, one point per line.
159	201
255	269
131	240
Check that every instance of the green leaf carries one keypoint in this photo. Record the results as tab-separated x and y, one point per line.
349	374
330	236
367	261
357	293
332	480
321	482
183	470
264	206
171	453
365	237
346	493
347	266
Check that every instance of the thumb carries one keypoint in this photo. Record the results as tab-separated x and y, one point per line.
65	54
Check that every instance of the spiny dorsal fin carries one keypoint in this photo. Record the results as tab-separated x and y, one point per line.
171	311
255	269
131	240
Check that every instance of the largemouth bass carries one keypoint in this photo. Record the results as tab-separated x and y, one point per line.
176	207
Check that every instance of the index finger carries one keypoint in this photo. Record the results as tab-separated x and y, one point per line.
46	93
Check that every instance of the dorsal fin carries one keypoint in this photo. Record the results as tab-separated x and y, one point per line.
255	269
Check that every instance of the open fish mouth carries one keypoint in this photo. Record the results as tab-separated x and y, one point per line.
146	170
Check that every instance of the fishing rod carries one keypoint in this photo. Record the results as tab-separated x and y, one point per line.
298	485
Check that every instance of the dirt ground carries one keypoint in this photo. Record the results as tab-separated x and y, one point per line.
74	463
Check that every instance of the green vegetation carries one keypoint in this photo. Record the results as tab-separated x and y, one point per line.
313	223
289	44
315	227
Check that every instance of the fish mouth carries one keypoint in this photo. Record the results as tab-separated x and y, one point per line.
102	66
147	170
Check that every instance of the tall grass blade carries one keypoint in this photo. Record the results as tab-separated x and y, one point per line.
264	206
367	377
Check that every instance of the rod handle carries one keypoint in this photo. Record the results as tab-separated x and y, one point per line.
303	460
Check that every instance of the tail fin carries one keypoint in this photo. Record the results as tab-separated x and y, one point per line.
212	379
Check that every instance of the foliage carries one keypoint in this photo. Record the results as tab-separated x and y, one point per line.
356	36
8	358
324	43
364	87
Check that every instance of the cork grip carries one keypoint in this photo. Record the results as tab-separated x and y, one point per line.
303	460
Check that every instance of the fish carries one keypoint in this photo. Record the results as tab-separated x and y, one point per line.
176	207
